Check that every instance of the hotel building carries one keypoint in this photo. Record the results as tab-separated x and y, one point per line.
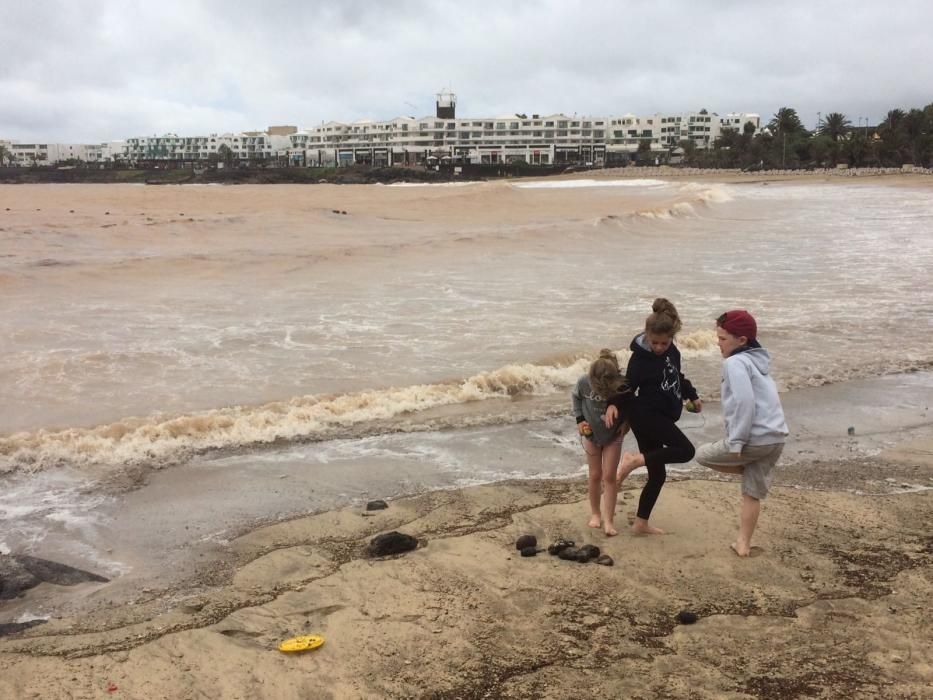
536	139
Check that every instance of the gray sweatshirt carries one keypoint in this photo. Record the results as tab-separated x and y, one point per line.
591	407
751	406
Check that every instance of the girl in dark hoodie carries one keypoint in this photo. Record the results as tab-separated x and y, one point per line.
661	388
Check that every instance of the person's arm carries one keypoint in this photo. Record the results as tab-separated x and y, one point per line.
637	372
617	409
687	389
576	402
739	410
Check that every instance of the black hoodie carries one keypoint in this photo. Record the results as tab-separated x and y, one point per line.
660	385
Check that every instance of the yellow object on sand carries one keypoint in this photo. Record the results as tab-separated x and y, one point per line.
310	641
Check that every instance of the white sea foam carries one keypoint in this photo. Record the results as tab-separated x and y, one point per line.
429	184
573	184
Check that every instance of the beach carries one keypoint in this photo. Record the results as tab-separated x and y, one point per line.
834	605
203	386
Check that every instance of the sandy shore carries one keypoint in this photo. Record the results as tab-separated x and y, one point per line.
834	605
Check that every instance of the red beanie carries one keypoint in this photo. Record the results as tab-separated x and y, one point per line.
739	322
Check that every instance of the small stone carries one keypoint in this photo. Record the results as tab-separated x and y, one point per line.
391	543
604	560
529	551
526	541
377	505
686	617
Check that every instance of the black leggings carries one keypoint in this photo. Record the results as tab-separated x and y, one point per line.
661	442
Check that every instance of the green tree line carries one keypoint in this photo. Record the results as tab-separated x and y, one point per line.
903	137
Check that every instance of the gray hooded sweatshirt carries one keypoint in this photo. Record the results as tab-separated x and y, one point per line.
591	407
751	406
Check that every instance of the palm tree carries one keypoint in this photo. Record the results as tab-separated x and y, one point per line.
785	121
835	125
894	147
917	129
225	153
894	119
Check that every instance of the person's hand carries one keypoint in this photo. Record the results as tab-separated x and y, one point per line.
693	406
612	412
584	429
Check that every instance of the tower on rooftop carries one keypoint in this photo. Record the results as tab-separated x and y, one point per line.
446	105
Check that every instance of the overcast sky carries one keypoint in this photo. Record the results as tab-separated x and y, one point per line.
98	70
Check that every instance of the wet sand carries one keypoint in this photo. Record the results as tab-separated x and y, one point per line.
835	604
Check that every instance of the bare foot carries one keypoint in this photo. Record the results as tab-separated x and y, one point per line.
748	552
610	530
594	521
643	527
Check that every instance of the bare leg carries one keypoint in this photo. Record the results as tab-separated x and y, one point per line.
630	462
595	463
610	466
751	507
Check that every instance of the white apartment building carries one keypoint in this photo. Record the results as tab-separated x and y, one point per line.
538	140
555	138
253	146
29	154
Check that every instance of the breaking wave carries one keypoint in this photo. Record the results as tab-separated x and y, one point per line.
695	196
158	441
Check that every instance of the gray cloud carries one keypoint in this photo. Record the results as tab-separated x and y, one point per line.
103	69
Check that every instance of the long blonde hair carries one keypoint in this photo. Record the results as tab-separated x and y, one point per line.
606	379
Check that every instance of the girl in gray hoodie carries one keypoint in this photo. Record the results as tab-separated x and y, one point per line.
754	418
602	444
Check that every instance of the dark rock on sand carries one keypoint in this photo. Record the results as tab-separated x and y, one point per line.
685	617
605	560
377	505
19	573
391	543
526	541
529	551
590	551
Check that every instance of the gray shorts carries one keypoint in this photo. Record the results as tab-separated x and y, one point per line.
757	462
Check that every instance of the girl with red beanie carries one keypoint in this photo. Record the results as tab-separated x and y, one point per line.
754	418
